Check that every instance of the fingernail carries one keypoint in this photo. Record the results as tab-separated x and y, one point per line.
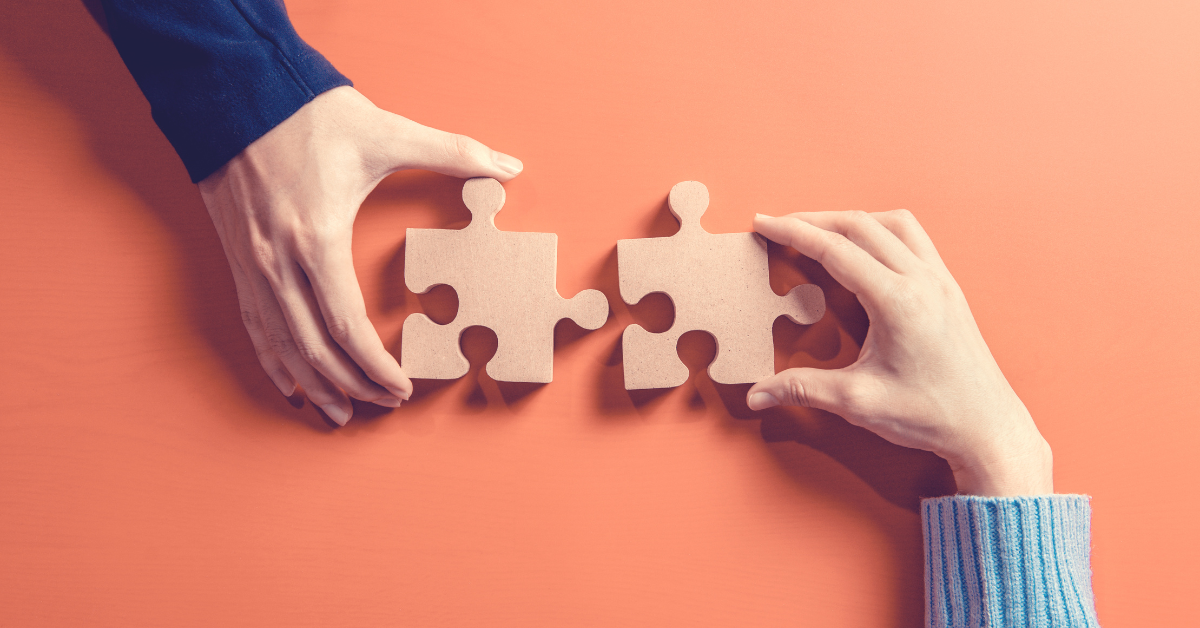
761	216
336	413
400	394
389	402
762	401
508	163
284	386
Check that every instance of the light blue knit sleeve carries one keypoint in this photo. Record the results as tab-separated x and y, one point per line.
1008	561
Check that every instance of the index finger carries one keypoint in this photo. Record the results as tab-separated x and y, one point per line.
846	262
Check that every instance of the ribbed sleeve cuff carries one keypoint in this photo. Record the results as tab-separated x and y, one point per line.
1008	561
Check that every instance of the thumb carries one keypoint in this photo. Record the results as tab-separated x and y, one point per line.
804	387
418	146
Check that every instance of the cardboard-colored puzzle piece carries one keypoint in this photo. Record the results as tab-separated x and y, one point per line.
505	281
718	283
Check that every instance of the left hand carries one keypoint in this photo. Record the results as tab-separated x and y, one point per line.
284	208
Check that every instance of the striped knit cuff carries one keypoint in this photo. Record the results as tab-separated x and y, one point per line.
1008	561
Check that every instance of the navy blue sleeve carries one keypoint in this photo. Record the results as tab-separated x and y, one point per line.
218	73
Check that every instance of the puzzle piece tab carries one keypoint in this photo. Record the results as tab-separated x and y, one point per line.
505	281
719	283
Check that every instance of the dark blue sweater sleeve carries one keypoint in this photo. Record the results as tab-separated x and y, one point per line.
218	73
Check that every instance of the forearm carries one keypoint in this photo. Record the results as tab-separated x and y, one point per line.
218	74
1008	561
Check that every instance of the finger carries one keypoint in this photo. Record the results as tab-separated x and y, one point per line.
865	231
270	362
824	389
418	146
301	311
849	264
303	315
330	271
902	223
319	389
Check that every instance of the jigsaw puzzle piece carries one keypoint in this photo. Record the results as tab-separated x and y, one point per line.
651	360
438	346
746	352
524	353
688	200
525	347
588	309
718	283
505	281
804	304
744	357
429	350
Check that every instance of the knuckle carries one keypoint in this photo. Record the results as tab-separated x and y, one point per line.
858	216
903	297
305	246
341	328
312	351
856	396
858	222
250	318
949	289
927	273
794	231
309	244
460	146
795	392
279	341
265	258
904	216
835	244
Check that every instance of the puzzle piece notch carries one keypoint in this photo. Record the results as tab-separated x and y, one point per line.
505	281
718	283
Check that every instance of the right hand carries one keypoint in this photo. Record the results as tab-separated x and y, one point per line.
284	208
924	377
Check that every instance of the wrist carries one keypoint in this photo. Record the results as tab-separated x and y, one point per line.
1024	468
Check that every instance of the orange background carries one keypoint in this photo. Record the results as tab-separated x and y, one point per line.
150	474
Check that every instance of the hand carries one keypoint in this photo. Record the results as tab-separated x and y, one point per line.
284	208
924	377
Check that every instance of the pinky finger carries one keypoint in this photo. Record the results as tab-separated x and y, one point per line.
276	370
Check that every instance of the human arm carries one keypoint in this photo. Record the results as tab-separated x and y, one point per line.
284	151
1005	550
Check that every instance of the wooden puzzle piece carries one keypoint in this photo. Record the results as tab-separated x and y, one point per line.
504	280
719	283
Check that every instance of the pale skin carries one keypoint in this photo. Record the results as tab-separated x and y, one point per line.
284	209
285	206
924	377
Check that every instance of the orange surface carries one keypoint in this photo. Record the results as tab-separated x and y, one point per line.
152	475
